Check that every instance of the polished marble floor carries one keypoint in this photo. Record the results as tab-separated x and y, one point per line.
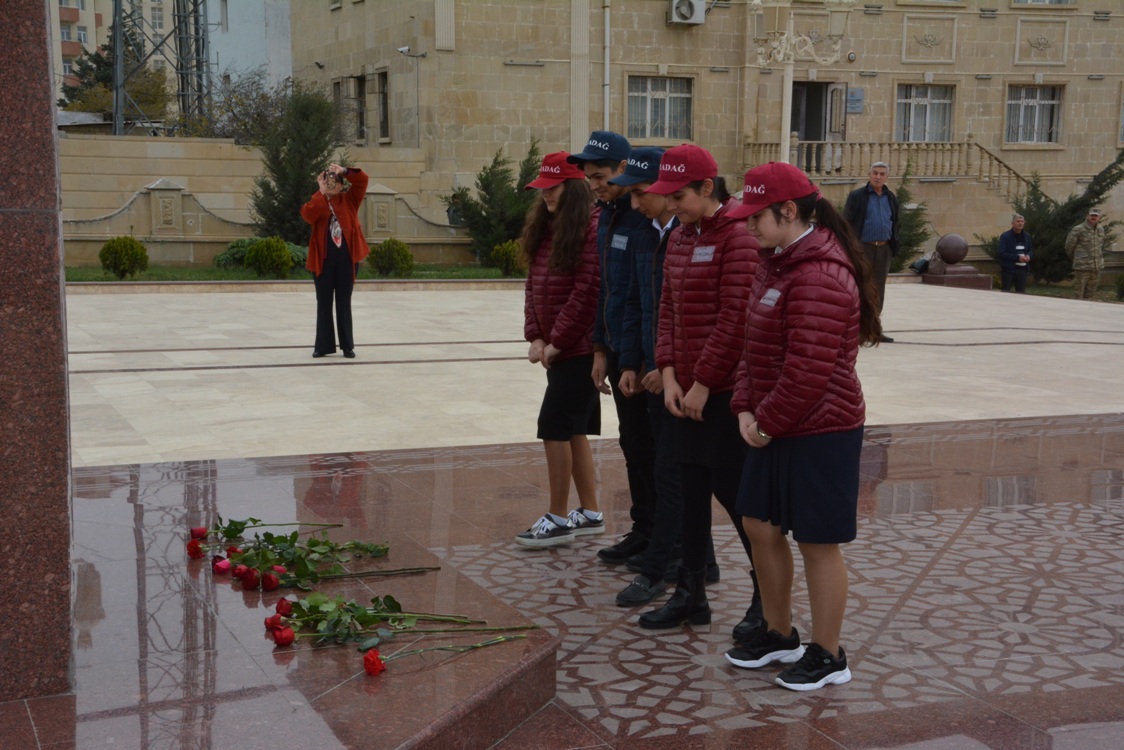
987	582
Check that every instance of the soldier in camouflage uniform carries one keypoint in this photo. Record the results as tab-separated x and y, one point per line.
1085	246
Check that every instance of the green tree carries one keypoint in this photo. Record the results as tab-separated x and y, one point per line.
297	149
495	214
913	223
1048	222
147	88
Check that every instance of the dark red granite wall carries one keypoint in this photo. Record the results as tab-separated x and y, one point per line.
34	434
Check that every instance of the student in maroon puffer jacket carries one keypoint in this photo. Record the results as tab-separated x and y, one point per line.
560	247
800	407
709	262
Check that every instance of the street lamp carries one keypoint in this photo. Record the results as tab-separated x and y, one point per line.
778	43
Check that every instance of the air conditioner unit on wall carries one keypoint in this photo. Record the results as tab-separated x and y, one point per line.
688	12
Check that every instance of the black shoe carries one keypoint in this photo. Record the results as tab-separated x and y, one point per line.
634	542
317	355
640	591
713	574
687	604
765	647
815	669
349	353
635	563
886	339
754	616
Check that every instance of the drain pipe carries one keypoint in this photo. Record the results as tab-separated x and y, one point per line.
605	102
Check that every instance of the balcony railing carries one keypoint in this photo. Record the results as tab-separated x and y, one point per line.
841	160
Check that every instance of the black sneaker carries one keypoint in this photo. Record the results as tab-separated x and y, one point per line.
640	591
765	647
815	669
546	533
632	543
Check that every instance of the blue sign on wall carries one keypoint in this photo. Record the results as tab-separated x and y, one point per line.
854	101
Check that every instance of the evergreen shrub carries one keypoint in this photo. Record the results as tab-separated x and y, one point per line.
391	258
508	257
270	258
124	256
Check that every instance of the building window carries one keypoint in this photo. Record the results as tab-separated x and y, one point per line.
82	35
64	32
924	113
383	100
157	16
1034	114
1044	2
67	66
659	107
64	3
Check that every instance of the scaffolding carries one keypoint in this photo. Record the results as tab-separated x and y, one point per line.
182	45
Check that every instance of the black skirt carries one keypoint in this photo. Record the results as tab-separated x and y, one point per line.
572	404
808	485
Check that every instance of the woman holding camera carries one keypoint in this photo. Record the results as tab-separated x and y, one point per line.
335	250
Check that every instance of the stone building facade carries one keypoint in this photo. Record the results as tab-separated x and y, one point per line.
977	94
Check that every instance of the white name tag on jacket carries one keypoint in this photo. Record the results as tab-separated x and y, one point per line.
770	297
620	241
703	254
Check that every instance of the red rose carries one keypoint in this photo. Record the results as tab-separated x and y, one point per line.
199	532
195	550
279	569
239	570
372	662
250	579
270	582
220	567
283	636
272	622
284	607
231	551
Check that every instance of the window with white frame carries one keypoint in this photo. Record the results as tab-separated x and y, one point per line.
659	107
65	32
67	66
83	35
1034	114
1045	2
157	16
924	113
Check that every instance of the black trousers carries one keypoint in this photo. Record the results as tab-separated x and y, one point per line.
336	280
667	528
1016	279
638	447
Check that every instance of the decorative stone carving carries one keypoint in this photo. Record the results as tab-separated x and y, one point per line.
1042	41
928	39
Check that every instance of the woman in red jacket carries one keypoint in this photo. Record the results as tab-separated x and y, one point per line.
335	249
560	247
709	262
800	407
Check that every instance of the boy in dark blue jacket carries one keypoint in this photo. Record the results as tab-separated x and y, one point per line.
604	158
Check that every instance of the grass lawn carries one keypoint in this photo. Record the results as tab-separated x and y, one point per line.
210	273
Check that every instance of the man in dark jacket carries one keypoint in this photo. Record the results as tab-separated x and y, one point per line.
1014	255
872	211
605	157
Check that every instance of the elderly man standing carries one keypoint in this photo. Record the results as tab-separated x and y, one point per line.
1085	246
1015	249
872	211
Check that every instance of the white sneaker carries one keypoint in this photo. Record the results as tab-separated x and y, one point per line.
584	525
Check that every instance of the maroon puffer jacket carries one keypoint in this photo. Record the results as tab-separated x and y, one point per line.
559	308
707	272
797	375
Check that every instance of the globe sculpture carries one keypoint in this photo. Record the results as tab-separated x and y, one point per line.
952	248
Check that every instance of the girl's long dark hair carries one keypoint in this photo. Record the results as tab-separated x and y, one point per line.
817	208
569	224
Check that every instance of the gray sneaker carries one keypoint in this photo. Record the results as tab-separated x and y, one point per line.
641	591
546	533
583	525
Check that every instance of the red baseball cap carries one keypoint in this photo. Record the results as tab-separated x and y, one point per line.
775	182
681	166
554	171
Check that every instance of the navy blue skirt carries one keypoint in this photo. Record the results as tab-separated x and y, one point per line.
808	485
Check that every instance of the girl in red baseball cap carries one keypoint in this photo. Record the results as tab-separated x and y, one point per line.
708	265
560	249
800	407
